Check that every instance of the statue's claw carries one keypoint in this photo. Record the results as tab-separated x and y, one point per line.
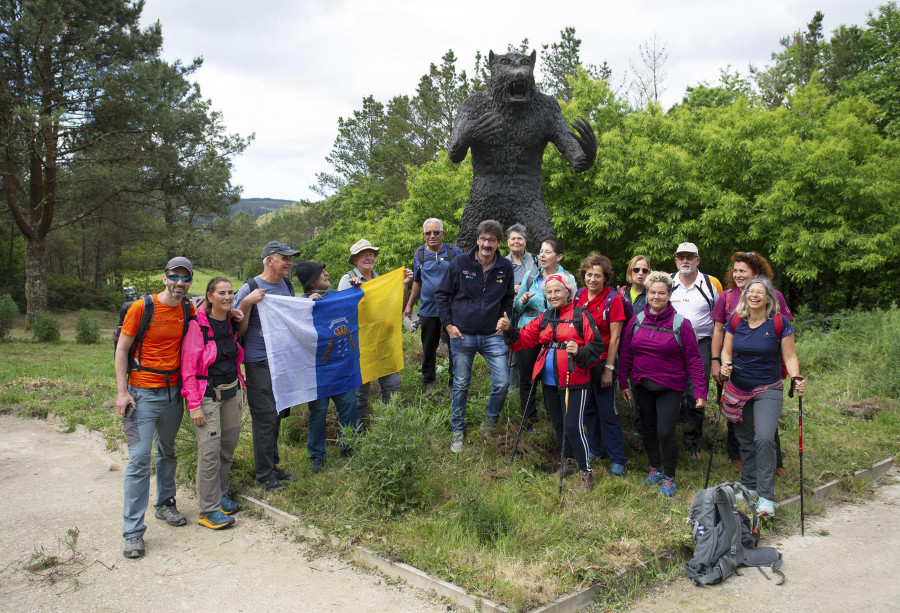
586	138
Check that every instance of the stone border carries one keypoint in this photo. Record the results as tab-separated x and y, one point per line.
568	603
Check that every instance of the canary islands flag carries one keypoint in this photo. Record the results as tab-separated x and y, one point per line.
319	348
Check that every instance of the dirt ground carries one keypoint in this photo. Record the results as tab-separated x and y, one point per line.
848	561
51	483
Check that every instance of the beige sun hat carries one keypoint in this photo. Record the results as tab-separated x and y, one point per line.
360	246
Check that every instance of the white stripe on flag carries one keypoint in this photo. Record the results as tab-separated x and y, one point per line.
290	337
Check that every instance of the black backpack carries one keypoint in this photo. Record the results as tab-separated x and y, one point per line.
711	299
134	356
725	538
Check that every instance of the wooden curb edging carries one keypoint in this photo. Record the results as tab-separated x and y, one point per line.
568	603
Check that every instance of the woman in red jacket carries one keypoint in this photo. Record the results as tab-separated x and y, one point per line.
570	345
213	387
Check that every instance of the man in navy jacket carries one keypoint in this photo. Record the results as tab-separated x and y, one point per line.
476	291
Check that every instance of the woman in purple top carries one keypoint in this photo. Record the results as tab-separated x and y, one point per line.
745	265
754	394
659	352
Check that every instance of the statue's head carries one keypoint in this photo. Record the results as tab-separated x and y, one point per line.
512	77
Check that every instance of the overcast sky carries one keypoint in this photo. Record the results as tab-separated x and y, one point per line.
287	69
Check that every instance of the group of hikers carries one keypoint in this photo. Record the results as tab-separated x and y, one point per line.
659	338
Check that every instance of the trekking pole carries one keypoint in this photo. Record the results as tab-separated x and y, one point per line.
562	450
715	432
522	423
800	422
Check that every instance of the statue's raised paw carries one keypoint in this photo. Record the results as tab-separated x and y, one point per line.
486	126
586	138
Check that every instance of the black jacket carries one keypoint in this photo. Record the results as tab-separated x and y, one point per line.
471	300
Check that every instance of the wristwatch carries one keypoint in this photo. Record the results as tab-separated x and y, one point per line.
609	366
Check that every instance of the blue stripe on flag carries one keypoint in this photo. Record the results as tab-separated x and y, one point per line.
337	352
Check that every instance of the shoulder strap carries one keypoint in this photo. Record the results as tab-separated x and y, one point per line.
186	306
735	321
675	285
638	322
146	318
709	299
420	255
676	328
451	251
290	285
252	284
779	326
580	292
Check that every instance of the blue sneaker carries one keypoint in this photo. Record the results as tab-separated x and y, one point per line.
740	495
229	506
654	477
216	520
668	487
617	470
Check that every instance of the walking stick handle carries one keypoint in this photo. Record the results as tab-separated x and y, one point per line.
793	384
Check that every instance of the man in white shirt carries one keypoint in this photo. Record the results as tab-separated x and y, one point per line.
694	296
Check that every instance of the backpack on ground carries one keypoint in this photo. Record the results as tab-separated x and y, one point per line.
725	538
675	329
134	356
711	299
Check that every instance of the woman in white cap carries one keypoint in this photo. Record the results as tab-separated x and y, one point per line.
362	258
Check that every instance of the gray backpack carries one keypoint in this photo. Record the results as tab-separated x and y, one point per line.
725	538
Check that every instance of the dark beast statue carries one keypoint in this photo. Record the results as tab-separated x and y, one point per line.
507	126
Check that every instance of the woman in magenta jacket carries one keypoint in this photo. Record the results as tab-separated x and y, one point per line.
569	346
212	385
659	365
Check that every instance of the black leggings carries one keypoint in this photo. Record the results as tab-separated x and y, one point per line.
526	359
576	439
659	413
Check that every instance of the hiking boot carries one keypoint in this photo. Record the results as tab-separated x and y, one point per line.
740	495
273	485
585	480
781	471
316	465
456	443
736	464
172	516
282	475
134	547
765	507
654	477
488	425
617	470
229	506
668	488
216	520
569	467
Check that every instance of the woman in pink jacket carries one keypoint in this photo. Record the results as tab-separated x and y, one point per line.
659	352
212	385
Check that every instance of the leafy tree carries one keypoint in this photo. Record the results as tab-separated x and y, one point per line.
560	62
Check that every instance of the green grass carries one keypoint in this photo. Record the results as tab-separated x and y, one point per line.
502	530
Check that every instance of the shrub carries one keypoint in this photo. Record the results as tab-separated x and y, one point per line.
393	459
46	329
8	312
87	330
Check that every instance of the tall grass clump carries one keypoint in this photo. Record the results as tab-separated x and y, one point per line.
46	328
87	330
8	311
482	515
392	466
854	353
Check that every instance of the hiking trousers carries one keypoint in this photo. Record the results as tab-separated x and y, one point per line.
659	414
265	420
157	415
569	419
216	442
756	436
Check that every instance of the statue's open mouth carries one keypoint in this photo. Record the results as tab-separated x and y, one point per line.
518	90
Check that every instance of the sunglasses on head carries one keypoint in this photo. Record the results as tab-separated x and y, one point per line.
175	278
637	269
746	254
432	232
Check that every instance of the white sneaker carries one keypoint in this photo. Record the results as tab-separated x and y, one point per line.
456	444
765	507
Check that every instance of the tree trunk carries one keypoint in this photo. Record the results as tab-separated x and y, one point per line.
35	280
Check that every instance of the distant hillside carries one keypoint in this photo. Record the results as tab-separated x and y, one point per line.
259	206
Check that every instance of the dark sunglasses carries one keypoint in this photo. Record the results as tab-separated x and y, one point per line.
175	278
433	232
746	254
643	270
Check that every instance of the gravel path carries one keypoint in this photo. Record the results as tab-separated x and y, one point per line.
51	483
848	561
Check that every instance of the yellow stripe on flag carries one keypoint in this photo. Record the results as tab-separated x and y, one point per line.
380	326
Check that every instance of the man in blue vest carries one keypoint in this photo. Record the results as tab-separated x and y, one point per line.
430	262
